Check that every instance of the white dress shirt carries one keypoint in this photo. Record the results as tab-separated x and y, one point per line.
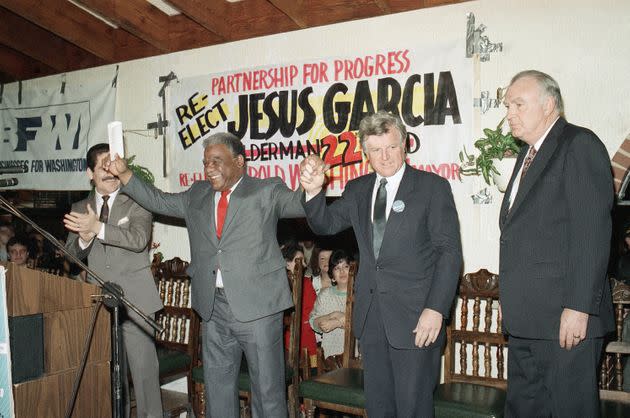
97	210
393	183
517	180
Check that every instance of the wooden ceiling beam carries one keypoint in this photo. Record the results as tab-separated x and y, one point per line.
294	9
214	15
252	18
81	28
41	45
384	6
137	17
147	22
18	67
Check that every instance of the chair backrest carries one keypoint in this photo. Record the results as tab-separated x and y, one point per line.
296	278
351	356
476	349
179	321
616	350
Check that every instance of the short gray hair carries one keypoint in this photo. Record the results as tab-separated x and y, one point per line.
229	140
548	86
381	123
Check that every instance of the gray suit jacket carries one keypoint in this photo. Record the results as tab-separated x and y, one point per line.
248	254
555	240
123	256
420	258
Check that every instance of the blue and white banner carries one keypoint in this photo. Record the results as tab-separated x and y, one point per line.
48	131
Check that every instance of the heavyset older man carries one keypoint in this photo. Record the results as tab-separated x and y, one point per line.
555	239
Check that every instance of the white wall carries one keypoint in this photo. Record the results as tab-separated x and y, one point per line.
582	43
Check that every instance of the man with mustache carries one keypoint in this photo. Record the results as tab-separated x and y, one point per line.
555	239
239	283
116	244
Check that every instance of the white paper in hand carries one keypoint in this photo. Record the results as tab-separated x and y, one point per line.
114	132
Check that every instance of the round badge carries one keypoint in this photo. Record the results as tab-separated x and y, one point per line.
398	206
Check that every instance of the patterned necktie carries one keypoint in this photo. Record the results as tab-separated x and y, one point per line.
221	211
378	224
528	161
104	216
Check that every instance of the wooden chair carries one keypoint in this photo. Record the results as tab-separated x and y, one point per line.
611	379
474	361
177	344
292	364
340	390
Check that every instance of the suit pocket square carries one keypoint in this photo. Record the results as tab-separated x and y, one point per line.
122	221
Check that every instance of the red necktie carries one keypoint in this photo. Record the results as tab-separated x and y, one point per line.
221	211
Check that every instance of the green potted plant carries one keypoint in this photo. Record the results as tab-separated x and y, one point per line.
497	156
140	171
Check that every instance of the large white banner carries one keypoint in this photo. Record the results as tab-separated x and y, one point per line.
285	112
49	130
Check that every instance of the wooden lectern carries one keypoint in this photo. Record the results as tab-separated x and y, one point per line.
63	308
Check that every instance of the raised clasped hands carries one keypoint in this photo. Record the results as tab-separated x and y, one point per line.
312	177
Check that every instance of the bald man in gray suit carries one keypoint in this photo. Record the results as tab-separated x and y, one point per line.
239	283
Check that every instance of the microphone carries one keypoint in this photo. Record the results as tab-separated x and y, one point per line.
8	182
14	170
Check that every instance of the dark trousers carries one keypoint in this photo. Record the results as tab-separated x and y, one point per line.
545	380
224	341
398	383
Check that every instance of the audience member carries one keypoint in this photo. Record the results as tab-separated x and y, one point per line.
18	250
328	315
6	233
319	266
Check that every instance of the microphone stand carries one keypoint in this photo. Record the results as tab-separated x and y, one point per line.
113	298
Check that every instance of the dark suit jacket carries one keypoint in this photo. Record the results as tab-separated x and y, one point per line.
248	254
555	240
420	258
123	256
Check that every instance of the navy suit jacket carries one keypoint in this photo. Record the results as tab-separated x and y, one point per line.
420	258
555	239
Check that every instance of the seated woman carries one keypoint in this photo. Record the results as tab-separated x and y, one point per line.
328	316
319	267
291	253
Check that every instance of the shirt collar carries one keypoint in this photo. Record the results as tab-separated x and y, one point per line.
112	196
538	143
233	187
394	179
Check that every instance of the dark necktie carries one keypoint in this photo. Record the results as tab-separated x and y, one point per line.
221	211
378	224
104	210
528	161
